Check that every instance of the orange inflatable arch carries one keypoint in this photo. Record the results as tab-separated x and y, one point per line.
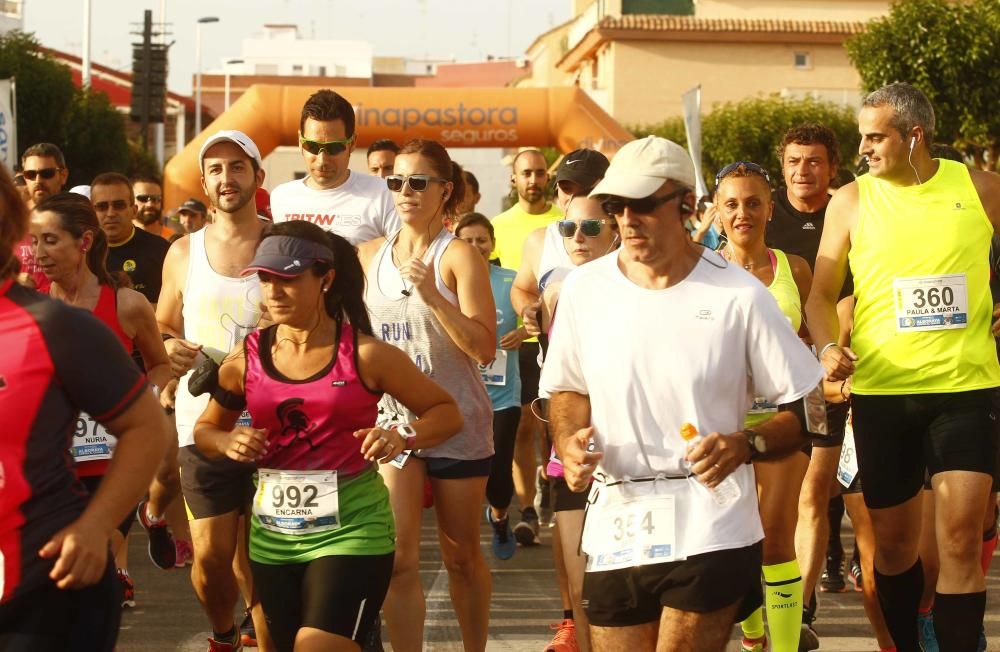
564	118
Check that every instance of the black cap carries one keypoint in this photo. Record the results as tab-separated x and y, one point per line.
583	166
287	256
194	206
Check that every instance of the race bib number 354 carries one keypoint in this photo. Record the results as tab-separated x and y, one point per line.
635	532
297	502
931	303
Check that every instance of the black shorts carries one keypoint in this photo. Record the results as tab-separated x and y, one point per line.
527	362
213	487
339	594
701	583
565	499
92	482
447	468
50	619
836	421
899	438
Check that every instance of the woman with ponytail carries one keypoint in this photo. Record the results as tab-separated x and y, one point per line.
71	250
322	537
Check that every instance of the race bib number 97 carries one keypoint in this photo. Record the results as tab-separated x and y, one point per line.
931	303
91	441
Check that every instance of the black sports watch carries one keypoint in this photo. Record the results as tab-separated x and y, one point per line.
757	444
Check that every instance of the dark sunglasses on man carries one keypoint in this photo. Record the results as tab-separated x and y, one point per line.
117	204
45	173
331	147
149	199
589	228
416	182
614	205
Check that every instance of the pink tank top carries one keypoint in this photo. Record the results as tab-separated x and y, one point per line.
310	422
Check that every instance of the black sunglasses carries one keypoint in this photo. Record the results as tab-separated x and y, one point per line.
416	182
45	173
146	199
745	168
117	204
331	147
589	228
614	205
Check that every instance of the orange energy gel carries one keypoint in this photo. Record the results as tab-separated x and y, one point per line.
688	431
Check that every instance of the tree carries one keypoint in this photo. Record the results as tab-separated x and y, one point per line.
44	89
752	129
950	51
95	138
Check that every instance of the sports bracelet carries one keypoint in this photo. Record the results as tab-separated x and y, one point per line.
826	348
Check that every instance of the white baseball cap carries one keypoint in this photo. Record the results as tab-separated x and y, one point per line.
243	141
641	166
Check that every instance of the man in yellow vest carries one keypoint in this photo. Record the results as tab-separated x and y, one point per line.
916	233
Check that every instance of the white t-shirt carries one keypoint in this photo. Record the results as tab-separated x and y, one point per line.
651	360
360	209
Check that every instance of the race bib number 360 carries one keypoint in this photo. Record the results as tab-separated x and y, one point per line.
635	532
297	502
931	303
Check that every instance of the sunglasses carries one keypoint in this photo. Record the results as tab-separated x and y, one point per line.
117	204
644	206
589	228
416	182
45	173
147	199
744	167
331	147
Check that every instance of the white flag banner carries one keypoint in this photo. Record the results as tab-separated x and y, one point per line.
8	125
691	100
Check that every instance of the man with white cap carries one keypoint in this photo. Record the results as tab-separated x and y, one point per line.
671	557
205	309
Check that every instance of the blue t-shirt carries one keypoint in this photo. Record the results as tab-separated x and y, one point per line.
503	381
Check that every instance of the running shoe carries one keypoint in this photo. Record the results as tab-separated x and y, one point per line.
128	589
248	634
526	531
225	646
565	638
925	625
373	641
184	553
504	544
981	646
854	574
832	580
754	644
162	551
543	498
808	638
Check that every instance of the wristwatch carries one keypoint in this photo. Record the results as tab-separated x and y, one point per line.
757	444
408	434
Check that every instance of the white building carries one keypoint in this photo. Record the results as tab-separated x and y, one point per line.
279	50
11	15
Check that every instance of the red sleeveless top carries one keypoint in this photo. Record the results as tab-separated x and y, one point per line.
311	422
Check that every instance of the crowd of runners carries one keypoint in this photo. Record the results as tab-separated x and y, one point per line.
689	391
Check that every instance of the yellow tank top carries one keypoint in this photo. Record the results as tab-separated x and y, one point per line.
920	259
786	293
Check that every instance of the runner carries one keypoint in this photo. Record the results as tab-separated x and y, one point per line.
472	196
667	561
532	211
193	215
926	364
148	193
44	174
58	589
429	294
381	155
70	247
586	233
503	384
321	578
743	197
206	308
355	206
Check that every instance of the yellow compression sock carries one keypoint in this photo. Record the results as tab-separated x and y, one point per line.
783	598
753	626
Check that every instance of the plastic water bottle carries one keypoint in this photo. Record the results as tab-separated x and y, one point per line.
726	492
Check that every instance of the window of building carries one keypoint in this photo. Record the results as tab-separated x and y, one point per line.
299	175
322	71
670	7
803	61
296	69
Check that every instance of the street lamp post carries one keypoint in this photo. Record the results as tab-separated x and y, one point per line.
228	63
197	83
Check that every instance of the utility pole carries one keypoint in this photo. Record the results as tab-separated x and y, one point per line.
149	78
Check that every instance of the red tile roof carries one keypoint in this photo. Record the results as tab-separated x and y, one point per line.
655	22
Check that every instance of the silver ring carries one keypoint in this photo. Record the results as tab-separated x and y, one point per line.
383	439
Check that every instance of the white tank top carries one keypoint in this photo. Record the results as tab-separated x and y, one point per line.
407	323
553	252
219	311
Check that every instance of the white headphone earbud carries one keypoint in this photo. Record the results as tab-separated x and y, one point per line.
913	142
